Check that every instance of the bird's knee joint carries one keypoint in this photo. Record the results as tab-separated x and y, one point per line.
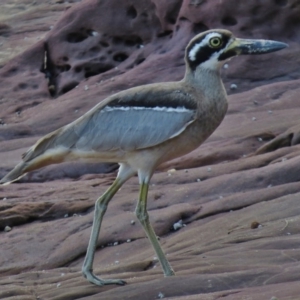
100	206
84	272
142	216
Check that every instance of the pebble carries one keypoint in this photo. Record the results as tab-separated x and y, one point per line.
254	225
132	222
116	243
128	241
253	119
198	179
161	295
86	87
7	228
58	285
260	139
226	66
178	225
208	169
233	86
270	112
66	215
94	33
171	171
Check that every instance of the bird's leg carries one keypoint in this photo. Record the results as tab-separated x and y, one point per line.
100	209
142	215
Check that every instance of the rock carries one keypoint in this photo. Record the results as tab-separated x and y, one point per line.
238	193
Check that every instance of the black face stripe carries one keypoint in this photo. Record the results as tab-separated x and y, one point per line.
152	99
227	55
205	52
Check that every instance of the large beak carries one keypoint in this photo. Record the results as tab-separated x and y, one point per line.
247	46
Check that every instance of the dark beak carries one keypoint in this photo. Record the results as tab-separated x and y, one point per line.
247	46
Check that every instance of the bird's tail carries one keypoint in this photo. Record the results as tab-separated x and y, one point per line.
52	156
16	173
50	149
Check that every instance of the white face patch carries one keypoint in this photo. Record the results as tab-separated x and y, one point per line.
193	52
179	109
213	63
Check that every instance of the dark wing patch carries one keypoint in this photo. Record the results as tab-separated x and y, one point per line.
150	99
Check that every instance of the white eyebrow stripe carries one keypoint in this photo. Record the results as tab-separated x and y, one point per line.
179	109
193	53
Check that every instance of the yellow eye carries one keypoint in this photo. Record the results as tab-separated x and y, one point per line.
215	42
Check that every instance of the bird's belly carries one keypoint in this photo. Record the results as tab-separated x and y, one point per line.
97	156
170	149
188	141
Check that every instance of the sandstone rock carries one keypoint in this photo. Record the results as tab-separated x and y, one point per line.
238	194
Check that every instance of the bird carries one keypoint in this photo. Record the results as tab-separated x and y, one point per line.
142	127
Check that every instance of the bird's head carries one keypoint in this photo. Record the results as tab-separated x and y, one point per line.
211	49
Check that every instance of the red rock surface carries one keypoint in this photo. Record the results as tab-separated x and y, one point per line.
238	194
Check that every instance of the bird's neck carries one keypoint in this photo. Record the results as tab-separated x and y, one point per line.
212	94
207	81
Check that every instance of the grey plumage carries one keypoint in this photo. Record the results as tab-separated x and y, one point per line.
132	128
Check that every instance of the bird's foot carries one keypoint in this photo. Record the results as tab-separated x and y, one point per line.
98	281
169	273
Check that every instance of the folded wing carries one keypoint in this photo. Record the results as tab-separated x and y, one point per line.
127	121
131	127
